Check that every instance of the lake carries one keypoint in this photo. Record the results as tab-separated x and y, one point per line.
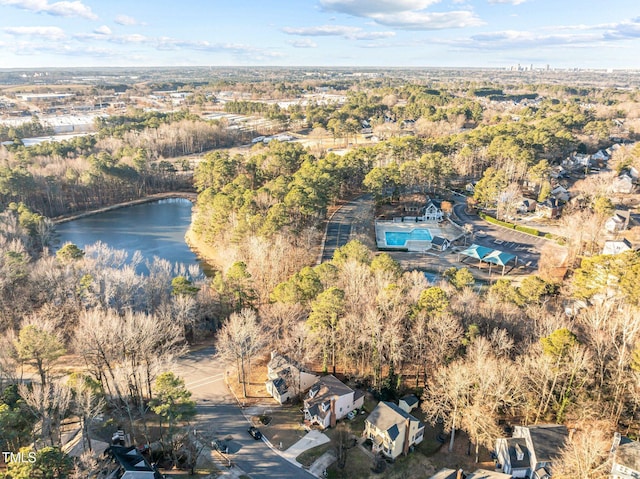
155	229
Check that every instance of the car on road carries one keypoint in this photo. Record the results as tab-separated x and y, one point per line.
221	446
255	432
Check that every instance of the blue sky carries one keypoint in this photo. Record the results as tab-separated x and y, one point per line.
414	33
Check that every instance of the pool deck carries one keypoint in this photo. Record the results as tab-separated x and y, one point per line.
443	229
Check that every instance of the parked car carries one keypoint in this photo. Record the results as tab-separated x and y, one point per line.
255	432
351	415
221	446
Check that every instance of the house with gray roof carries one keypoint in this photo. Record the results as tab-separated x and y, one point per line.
130	464
330	400
408	403
625	458
286	378
513	456
392	430
538	445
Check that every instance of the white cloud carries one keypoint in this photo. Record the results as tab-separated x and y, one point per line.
510	2
405	14
429	21
103	30
366	8
63	9
303	43
50	33
351	33
549	36
126	20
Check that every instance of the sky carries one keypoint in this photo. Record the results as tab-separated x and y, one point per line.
349	33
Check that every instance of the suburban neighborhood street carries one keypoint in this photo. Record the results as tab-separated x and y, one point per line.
220	417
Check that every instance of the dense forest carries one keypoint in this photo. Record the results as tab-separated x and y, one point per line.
476	353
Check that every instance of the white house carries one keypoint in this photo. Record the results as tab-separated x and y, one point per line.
408	403
287	379
392	430
560	193
330	400
531	450
618	222
432	212
616	246
622	184
625	458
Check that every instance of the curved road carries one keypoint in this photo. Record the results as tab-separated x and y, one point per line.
219	416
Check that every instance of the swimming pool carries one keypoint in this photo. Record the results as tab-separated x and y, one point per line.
400	238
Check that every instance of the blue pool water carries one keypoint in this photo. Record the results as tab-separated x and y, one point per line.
399	238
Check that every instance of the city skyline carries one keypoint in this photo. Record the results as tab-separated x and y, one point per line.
375	33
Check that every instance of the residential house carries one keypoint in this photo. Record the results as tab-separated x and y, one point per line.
622	184
618	222
600	156
439	243
549	208
527	206
625	458
329	400
447	473
130	464
432	212
392	430
542	443
582	159
408	403
616	246
484	474
287	379
513	456
560	193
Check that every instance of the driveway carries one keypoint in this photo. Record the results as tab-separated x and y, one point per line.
218	416
312	439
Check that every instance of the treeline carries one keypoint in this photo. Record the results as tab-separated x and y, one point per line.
57	178
26	130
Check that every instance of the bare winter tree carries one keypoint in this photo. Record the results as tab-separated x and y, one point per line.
49	403
586	453
241	339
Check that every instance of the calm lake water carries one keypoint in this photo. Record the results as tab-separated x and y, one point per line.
154	229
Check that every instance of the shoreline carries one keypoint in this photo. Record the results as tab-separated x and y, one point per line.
147	199
202	250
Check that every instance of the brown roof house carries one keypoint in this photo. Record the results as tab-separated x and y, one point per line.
329	400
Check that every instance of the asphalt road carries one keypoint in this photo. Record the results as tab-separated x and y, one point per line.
219	416
525	247
345	223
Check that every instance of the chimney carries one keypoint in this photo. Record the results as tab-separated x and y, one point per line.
460	474
407	430
519	452
333	412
